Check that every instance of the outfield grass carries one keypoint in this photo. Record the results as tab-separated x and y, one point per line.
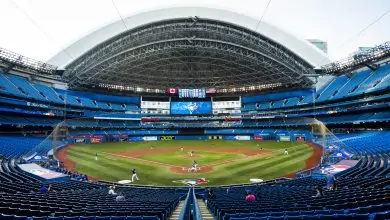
113	168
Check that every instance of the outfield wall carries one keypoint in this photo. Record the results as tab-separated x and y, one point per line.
88	139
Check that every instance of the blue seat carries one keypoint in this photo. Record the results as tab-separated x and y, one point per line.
6	217
291	213
382	216
55	217
322	212
276	218
258	218
118	217
293	217
327	217
71	217
150	218
87	217
357	216
308	217
102	218
134	217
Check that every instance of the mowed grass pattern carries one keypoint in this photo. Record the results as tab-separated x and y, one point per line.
200	156
112	168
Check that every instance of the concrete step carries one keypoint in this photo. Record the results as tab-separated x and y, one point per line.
176	212
204	211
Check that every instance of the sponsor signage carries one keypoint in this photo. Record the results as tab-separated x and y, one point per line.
96	140
80	140
150	138
167	138
238	138
172	91
284	138
39	171
211	90
37	105
258	138
242	138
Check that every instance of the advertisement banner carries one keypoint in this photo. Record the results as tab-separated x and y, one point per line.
215	137
238	138
342	154
150	138
95	140
258	138
285	138
172	91
191	108
131	139
167	138
39	171
80	140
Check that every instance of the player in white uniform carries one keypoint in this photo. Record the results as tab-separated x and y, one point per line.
285	151
194	167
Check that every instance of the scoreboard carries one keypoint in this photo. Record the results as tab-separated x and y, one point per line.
192	93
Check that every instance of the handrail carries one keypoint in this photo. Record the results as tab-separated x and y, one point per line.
185	212
197	213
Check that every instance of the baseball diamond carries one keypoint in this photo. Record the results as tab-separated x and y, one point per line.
221	162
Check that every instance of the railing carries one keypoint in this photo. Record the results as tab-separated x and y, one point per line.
185	212
197	215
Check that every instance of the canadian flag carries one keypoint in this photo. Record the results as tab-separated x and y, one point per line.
172	90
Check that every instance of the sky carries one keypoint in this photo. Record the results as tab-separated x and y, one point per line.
39	29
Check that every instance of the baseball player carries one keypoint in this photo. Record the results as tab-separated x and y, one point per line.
134	172
194	167
96	157
285	151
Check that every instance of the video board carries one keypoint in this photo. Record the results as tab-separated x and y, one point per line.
191	108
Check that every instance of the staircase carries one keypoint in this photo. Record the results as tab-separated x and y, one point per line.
176	213
204	211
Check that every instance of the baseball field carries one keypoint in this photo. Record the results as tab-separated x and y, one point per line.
166	162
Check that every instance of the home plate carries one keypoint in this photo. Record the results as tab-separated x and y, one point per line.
255	180
124	181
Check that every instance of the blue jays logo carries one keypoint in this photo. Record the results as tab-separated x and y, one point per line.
192	107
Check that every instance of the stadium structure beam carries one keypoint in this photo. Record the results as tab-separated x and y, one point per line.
220	43
358	60
227	51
